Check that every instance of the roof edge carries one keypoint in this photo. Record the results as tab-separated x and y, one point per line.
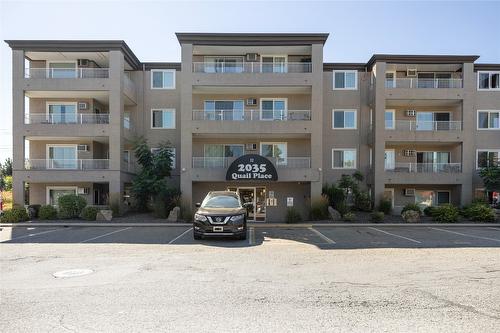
240	39
421	59
487	67
161	65
330	66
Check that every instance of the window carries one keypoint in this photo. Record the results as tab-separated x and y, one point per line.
223	65
488	120
163	79
347	80
488	80
390	79
390	122
344	119
163	118
61	69
277	151
55	192
62	157
343	158
224	110
273	109
216	154
61	112
390	159
171	149
442	197
273	64
126	120
486	158
126	156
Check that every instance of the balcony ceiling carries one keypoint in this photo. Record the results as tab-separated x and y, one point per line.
101	58
101	96
421	102
251	90
425	67
70	139
242	50
251	137
420	144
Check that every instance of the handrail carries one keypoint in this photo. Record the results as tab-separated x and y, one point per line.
424	167
423	125
66	164
224	162
67	119
252	67
67	73
251	115
411	83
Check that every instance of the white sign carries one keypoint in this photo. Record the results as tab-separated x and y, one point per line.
272	202
289	202
271	194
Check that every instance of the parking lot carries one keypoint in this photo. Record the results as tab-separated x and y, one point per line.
316	278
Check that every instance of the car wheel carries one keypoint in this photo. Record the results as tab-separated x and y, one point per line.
243	236
197	236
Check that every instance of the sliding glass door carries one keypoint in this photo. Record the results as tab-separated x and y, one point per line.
432	161
273	109
224	110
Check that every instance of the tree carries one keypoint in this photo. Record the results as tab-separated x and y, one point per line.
6	168
151	182
491	178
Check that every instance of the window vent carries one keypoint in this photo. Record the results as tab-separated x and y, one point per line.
251	146
409	192
411	113
83	147
409	152
251	56
83	106
83	62
411	72
83	190
251	101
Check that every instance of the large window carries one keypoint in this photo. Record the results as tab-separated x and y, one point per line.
488	80
347	80
61	112
273	109
215	155
343	158
62	69
344	119
224	110
163	118
274	64
163	79
488	119
223	64
62	157
55	192
487	157
274	150
390	121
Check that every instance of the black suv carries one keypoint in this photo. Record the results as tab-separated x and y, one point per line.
220	214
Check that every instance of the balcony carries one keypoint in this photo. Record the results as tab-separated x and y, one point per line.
417	130
67	119
224	162
252	115
66	164
426	168
66	73
251	67
420	83
424	173
418	125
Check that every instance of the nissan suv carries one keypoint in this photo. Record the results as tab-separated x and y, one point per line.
220	214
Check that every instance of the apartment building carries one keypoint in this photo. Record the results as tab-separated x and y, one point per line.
260	114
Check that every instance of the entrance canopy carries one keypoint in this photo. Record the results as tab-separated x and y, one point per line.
252	167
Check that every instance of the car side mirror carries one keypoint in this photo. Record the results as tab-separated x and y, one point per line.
198	205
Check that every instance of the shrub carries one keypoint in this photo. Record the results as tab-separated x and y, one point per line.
412	206
342	208
428	211
362	201
293	215
349	217
90	213
385	206
445	213
479	212
33	211
377	216
70	206
411	216
47	212
334	194
319	209
16	214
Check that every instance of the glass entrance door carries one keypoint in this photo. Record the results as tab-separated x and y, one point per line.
256	196
247	195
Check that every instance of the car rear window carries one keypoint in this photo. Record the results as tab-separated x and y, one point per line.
221	201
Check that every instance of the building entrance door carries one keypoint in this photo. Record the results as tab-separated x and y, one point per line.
256	196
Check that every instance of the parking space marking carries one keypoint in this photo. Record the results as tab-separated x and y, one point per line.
467	235
251	235
38	233
323	237
106	234
494	228
176	238
403	237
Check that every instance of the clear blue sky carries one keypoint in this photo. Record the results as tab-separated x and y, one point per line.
357	29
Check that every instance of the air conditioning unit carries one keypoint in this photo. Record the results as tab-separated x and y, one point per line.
409	152
83	62
83	106
83	147
411	72
251	101
83	190
409	192
251	146
411	113
251	56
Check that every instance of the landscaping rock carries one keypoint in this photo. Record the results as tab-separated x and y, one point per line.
174	214
334	214
104	215
411	216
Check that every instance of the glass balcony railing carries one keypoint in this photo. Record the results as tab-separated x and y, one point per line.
224	162
251	115
420	125
424	167
410	83
251	67
63	119
66	164
66	73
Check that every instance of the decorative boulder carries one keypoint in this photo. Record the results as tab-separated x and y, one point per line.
411	216
334	214
174	214
104	215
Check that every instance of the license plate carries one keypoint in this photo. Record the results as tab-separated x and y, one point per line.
218	229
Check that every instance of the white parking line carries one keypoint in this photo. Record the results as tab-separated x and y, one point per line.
176	238
107	234
251	235
467	235
403	237
39	233
494	228
323	237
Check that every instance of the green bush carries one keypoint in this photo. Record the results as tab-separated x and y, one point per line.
89	213
349	217
16	214
33	211
385	206
445	213
428	211
319	209
47	212
412	206
334	194
70	206
377	216
410	216
479	212
293	215
342	208
362	201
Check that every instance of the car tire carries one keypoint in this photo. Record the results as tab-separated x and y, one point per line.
197	236
243	236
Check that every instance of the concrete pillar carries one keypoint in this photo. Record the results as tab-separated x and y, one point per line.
17	189
469	126
378	162
185	113
317	116
18	151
